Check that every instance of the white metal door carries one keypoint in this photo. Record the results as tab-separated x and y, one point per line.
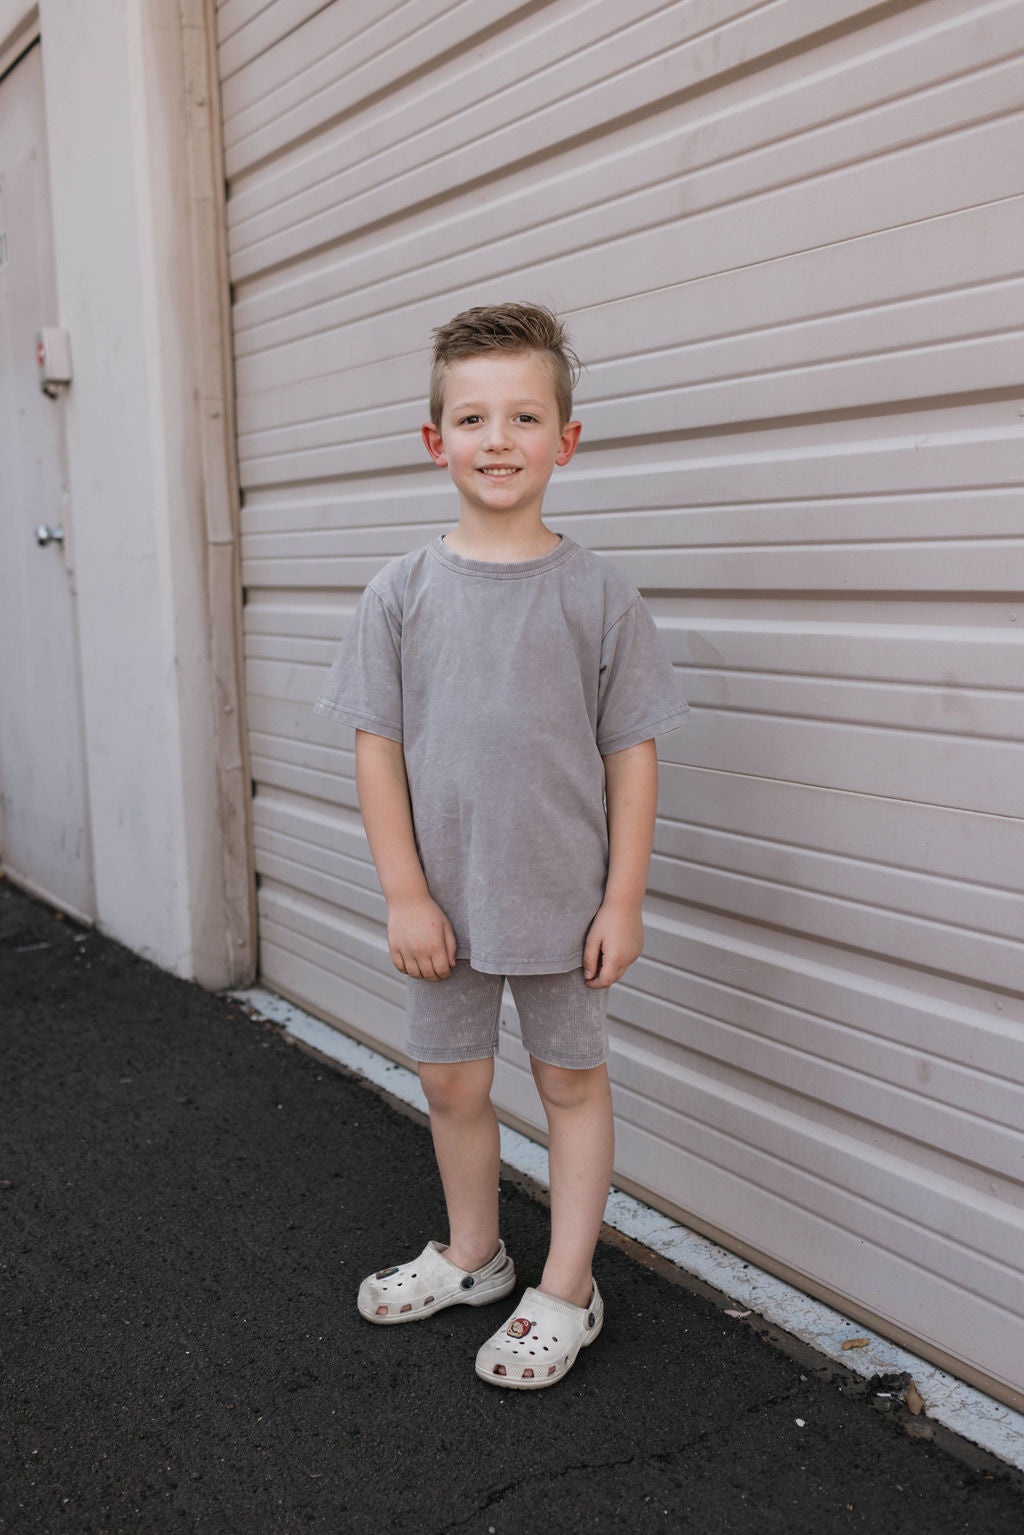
44	833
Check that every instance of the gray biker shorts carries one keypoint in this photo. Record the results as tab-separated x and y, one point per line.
563	1021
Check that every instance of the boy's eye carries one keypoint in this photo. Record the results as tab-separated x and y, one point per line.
467	420
524	415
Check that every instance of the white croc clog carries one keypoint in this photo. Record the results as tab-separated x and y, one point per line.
539	1343
430	1282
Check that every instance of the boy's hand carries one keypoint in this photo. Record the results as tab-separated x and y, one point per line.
614	941
421	940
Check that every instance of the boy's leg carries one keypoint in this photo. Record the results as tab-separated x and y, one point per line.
466	1143
565	1021
452	1031
581	1144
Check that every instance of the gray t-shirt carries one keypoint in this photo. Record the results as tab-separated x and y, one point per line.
506	684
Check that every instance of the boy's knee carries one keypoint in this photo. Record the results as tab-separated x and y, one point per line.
457	1087
564	1087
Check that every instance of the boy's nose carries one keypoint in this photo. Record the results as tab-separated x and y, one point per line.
496	436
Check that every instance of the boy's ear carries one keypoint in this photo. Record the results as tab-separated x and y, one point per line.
568	441
434	446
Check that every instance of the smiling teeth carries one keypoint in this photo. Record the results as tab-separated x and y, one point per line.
499	474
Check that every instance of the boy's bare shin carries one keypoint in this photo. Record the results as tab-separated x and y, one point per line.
467	1146
420	937
581	1144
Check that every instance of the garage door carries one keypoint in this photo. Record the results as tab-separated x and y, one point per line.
786	238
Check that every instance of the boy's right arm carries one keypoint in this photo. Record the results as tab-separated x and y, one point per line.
420	937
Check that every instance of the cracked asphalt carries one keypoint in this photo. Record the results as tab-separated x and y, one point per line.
187	1204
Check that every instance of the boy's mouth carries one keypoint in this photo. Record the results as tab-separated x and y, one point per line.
497	473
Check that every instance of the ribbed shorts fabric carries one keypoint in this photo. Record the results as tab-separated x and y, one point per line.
563	1022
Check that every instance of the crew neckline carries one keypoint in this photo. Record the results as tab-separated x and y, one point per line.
499	569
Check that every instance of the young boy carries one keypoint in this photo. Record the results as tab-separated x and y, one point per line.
506	686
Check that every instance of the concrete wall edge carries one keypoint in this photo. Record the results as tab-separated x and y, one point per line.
235	906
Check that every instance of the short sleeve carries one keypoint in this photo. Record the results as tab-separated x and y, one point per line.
364	685
638	695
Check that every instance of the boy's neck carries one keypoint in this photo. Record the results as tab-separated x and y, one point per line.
500	542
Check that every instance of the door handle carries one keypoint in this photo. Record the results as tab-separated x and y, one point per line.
45	535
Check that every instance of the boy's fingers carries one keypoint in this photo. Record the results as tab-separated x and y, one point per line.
432	966
610	971
440	965
591	958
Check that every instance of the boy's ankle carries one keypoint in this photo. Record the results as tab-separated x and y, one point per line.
470	1257
578	1292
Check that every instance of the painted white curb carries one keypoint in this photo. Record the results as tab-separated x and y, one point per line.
962	1408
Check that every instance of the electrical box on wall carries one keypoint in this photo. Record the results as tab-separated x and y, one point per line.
53	353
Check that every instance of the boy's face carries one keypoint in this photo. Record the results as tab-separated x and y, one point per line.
500	436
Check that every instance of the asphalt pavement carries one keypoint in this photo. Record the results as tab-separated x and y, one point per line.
187	1204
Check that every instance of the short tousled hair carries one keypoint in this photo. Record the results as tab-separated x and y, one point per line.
508	328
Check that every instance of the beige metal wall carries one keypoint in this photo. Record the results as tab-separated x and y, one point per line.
787	238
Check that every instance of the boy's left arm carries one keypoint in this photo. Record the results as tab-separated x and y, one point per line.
616	935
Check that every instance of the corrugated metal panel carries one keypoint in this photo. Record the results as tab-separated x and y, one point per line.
786	235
